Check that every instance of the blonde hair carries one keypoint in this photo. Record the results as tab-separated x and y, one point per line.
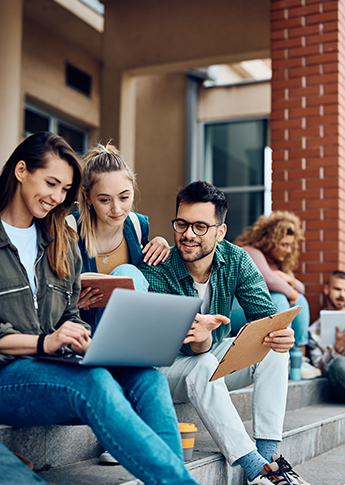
267	232
99	159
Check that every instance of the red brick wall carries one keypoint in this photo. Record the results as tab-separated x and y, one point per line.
307	130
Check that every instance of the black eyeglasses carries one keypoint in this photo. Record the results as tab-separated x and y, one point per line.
199	228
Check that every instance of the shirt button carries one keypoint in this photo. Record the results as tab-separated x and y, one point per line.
194	291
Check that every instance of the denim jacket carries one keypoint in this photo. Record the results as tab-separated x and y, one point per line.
136	254
55	301
93	315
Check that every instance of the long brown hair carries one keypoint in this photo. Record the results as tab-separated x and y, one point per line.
33	150
99	159
267	232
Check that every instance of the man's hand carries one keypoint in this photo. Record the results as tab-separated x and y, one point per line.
339	345
88	296
70	333
200	334
156	251
280	340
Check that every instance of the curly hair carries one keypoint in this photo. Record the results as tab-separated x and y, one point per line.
267	232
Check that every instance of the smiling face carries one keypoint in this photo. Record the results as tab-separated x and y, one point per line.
44	189
111	197
281	250
190	246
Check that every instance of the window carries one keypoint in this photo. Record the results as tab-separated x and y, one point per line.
78	80
238	161
37	119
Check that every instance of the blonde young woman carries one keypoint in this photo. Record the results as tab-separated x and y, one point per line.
273	242
129	409
111	236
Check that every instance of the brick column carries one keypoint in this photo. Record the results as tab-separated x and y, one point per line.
307	129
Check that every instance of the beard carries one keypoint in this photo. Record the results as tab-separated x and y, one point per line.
200	252
337	304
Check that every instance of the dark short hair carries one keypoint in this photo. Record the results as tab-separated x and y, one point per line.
336	274
201	191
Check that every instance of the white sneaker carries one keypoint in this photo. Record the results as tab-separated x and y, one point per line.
106	457
271	474
308	371
286	469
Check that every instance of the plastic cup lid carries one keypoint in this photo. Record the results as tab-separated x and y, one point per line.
187	428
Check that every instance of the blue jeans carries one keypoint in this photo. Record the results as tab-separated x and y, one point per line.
336	376
300	323
140	284
128	408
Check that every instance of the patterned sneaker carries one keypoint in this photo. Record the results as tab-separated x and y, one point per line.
272	474
308	371
286	469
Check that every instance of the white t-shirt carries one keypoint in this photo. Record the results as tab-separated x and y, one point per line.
204	292
25	240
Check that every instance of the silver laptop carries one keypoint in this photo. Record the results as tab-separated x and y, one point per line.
139	329
329	319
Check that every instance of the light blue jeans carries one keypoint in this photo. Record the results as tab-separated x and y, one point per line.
140	284
128	408
188	379
300	323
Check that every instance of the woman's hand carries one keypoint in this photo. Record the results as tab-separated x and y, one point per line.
280	340
70	333
88	296
293	298
286	277
156	251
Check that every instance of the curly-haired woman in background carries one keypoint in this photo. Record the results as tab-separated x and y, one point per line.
273	242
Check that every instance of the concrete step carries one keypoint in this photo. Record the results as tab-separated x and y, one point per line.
308	433
325	469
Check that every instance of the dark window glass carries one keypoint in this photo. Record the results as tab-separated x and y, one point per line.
237	153
243	209
74	137
77	79
234	159
35	122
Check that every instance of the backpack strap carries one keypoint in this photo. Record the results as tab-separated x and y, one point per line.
71	222
135	220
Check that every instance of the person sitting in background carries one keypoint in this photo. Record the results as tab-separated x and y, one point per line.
331	360
272	242
111	236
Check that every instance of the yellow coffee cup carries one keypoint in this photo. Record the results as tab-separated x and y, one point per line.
187	431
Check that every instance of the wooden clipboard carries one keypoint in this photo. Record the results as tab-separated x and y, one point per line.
247	348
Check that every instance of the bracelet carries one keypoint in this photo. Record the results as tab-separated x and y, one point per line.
40	341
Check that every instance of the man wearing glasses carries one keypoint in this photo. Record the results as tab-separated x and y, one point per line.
202	263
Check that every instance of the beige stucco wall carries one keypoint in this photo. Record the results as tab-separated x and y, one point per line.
235	101
160	147
43	77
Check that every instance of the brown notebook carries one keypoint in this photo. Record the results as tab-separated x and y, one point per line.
247	348
106	284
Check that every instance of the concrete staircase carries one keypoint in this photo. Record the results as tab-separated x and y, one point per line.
313	441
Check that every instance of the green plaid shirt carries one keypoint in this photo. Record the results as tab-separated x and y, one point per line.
234	273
